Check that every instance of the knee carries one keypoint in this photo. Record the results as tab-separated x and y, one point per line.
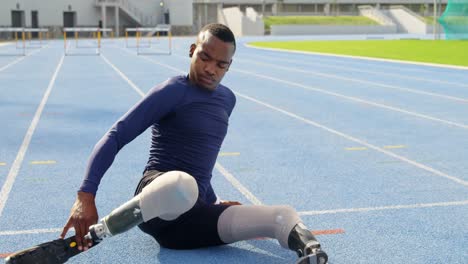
285	214
185	185
169	196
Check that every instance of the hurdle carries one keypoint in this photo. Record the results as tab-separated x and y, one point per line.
145	44
19	40
42	34
93	39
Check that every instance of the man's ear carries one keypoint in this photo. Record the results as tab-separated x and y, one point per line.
192	50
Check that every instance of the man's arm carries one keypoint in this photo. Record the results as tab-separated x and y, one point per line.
159	102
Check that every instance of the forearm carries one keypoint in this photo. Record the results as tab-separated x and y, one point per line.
99	162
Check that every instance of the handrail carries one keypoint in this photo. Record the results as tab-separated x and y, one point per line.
130	9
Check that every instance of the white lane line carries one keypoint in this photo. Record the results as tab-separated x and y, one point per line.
18	60
351	98
302	213
387	86
382	208
363	58
30	231
355	99
154	62
138	90
359	141
10	180
348	137
355	69
218	166
250	196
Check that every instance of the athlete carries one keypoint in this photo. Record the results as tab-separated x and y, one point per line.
174	201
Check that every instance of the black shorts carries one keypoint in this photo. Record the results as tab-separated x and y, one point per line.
196	228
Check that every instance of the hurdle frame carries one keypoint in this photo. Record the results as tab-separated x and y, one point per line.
22	46
76	31
138	33
40	31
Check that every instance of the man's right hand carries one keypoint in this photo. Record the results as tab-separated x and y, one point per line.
83	214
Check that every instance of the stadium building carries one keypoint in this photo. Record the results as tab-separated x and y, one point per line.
185	16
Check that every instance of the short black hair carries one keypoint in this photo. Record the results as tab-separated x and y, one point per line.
220	31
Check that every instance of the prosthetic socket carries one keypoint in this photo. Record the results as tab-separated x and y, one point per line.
167	197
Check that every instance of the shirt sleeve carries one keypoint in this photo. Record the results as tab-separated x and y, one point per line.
160	101
232	102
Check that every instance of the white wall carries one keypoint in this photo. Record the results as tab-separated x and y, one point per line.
233	19
243	25
51	11
408	21
88	14
252	24
181	12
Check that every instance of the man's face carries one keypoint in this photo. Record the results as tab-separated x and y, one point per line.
211	58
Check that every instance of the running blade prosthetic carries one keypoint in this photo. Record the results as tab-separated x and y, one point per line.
316	257
52	252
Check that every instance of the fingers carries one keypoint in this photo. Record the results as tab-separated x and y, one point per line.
78	235
81	229
88	242
83	215
65	229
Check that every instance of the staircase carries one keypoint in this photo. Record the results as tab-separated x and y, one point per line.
131	11
406	20
376	14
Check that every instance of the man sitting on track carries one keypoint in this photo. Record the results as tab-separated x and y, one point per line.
174	201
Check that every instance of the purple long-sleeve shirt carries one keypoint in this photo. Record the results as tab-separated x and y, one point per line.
189	124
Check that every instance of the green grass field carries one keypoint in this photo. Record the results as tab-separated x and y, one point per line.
451	52
429	20
317	20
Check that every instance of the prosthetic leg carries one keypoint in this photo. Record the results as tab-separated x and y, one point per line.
306	246
167	197
245	222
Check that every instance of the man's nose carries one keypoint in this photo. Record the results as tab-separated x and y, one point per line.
210	68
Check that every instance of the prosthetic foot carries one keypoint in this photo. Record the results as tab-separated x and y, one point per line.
58	251
316	257
306	246
53	252
166	197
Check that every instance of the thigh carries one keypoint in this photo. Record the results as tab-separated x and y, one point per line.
196	228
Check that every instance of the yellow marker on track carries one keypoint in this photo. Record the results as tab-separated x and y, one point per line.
2	164
356	148
395	147
42	162
229	154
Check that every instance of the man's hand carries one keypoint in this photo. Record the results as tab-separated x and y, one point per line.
83	214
